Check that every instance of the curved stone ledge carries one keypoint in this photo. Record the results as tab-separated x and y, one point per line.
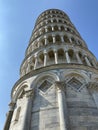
54	67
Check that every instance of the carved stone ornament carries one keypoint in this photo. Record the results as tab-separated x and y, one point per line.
60	85
29	93
93	85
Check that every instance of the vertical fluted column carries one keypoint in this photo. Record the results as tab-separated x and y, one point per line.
87	61
54	40
52	28
67	57
56	56
62	38
78	58
62	106
46	41
45	58
36	62
28	109
59	28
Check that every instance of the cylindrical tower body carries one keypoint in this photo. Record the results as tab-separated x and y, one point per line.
58	85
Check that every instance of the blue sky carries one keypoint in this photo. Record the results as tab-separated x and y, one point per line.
17	18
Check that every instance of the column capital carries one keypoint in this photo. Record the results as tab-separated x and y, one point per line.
45	36
53	35
54	50
35	56
45	52
29	93
60	85
65	50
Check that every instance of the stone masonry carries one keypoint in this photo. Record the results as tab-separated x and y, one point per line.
58	85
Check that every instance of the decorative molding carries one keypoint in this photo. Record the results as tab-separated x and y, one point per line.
60	85
53	67
93	85
29	93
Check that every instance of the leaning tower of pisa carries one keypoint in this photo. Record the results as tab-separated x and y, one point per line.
58	85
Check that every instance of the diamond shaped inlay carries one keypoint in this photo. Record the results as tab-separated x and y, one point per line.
75	83
45	86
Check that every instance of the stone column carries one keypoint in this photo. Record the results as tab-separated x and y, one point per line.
46	29
25	124
52	20
28	67
9	116
36	62
56	57
54	40
67	57
52	28
70	40
62	106
59	28
46	41
62	38
45	58
78	58
87	61
38	43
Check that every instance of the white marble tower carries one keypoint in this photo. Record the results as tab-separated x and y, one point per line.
58	85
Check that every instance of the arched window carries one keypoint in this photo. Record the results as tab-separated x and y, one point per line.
72	56
79	43
80	55
65	22
49	21
42	42
54	21
73	40
49	29
55	28
50	39
83	60
68	30
61	55
66	39
60	21
62	28
41	59
43	31
51	57
58	38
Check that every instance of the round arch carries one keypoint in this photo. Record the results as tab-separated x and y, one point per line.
44	76
74	73
19	91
